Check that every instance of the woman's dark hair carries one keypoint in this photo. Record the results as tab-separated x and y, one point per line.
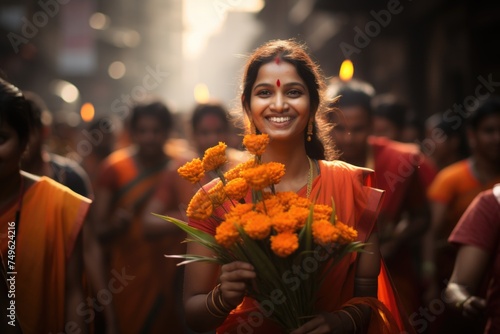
210	108
352	93
15	111
488	107
154	109
438	121
389	107
296	54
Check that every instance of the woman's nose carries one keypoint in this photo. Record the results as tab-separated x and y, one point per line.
279	104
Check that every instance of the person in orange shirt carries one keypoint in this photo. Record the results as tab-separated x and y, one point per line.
451	193
127	179
41	235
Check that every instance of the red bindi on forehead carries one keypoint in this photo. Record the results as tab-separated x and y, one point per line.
277	60
278	83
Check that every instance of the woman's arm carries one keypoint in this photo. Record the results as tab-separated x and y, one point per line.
470	266
206	304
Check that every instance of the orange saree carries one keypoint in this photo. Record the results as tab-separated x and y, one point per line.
357	205
146	304
50	221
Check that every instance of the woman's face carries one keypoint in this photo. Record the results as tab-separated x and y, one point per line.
209	131
279	103
10	151
149	136
486	138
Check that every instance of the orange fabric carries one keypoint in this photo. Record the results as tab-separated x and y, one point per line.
51	219
147	301
456	186
357	205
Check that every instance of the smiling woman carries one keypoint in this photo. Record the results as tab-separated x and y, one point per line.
282	97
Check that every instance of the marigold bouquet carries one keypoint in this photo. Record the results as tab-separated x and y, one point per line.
279	233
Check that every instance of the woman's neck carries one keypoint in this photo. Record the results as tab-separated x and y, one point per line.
148	161
296	165
10	189
485	170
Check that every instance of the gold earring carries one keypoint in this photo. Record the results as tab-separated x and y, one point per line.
310	129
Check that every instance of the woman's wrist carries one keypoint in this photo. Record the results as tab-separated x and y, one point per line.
215	304
457	295
220	299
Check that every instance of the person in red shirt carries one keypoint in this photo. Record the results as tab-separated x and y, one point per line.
477	236
400	169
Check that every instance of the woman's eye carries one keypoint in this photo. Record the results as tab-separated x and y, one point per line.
264	92
294	93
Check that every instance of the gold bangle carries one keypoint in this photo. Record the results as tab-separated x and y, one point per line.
358	311
208	308
221	301
352	319
215	304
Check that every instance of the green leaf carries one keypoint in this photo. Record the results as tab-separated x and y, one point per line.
196	235
191	258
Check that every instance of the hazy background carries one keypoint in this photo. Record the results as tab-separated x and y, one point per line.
103	55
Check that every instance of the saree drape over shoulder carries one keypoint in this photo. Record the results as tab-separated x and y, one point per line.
357	205
50	222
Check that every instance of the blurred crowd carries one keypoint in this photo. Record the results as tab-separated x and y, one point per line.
431	169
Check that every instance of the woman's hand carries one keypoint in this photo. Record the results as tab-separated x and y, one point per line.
233	281
474	307
326	323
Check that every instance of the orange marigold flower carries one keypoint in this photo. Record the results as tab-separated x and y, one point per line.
300	214
200	207
286	198
301	202
324	232
236	188
239	210
235	171
192	171
258	226
256	177
215	157
226	234
248	217
256	144
346	233
217	194
276	171
270	206
284	244
284	222
322	211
